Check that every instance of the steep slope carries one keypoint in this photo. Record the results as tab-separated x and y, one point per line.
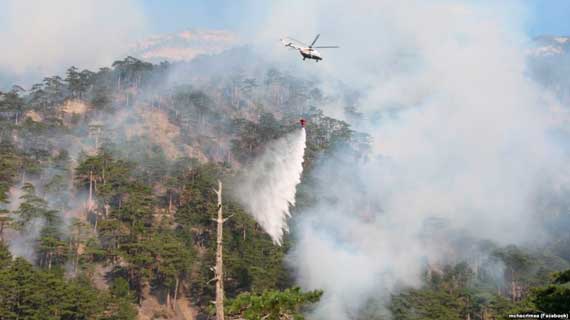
184	45
551	46
549	64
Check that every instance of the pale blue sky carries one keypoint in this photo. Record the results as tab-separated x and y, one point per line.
549	17
175	15
32	27
545	16
164	16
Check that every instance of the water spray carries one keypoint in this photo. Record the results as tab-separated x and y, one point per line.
267	188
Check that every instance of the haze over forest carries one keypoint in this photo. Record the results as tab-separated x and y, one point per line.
430	181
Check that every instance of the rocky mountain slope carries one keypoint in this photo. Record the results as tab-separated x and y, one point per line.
184	45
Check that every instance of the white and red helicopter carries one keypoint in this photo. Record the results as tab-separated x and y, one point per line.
306	51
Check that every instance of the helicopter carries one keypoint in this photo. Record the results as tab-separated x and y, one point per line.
306	51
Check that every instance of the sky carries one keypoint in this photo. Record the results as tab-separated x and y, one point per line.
43	35
549	17
168	16
452	136
545	16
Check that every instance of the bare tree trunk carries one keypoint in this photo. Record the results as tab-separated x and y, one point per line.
170	202
513	291
219	258
76	261
89	203
175	292
74	245
513	286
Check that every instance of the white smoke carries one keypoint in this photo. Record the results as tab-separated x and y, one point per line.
267	187
23	243
460	135
43	37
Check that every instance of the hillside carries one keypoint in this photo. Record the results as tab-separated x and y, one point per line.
106	200
550	64
107	178
184	45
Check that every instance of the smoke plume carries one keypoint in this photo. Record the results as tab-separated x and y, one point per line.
461	136
39	37
267	187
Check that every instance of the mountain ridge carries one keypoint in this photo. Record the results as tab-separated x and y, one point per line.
184	45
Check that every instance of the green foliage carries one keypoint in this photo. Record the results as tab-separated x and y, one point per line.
457	292
272	305
562	277
5	222
131	71
426	304
120	288
10	163
122	308
198	201
253	136
51	247
5	256
253	261
32	206
554	298
517	260
28	293
173	260
151	218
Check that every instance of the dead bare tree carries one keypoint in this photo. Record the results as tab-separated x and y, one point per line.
219	277
90	200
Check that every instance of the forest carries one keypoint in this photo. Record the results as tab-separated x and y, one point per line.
108	203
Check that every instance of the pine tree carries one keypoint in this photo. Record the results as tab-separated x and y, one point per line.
272	305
